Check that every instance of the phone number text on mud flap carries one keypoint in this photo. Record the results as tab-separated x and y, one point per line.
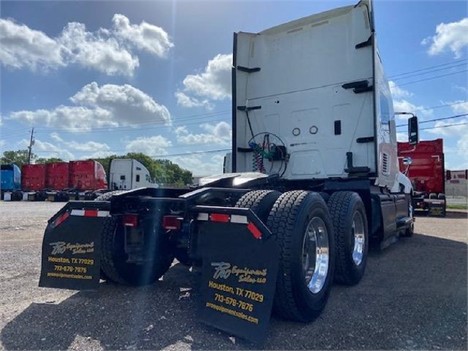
70	268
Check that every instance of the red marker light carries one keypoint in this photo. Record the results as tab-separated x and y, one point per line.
254	230
220	217
171	222
130	220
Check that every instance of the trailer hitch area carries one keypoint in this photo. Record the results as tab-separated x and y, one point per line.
239	268
71	246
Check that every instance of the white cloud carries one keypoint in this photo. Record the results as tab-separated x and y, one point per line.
459	106
65	149
47	149
127	104
401	104
190	101
97	107
201	164
449	36
88	146
145	36
462	151
97	154
21	47
106	50
214	83
56	137
96	50
454	129
216	134
152	146
71	118
398	92
406	106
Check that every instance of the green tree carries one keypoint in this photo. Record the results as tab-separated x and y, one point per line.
19	157
49	160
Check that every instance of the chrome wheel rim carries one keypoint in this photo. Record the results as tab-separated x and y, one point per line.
359	238
315	255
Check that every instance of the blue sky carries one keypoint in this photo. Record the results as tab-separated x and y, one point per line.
96	78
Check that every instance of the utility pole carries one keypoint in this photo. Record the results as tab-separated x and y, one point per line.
31	143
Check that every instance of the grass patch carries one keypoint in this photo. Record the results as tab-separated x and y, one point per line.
457	206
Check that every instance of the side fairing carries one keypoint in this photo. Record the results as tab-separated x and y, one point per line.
385	129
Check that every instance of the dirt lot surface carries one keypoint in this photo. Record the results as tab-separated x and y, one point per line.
413	296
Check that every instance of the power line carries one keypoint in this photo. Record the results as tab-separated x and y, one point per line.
431	78
428	68
436	119
159	156
139	126
445	126
429	72
446	105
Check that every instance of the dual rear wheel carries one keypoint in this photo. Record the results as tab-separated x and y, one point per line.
319	242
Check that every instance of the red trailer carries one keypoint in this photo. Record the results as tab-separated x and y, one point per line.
57	176
424	165
33	177
87	175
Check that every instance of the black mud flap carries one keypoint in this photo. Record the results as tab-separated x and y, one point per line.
436	207
240	265
71	246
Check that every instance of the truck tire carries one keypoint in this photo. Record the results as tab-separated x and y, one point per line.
114	263
259	201
301	225
351	236
106	197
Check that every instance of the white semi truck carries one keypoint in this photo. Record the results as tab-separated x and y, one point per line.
127	173
313	180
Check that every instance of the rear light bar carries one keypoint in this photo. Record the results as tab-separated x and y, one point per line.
171	222
130	220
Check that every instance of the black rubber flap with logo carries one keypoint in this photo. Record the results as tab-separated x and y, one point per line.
238	277
71	248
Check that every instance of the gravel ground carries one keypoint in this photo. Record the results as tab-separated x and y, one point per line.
413	296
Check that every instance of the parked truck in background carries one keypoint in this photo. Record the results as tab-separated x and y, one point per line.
424	165
126	174
87	175
57	181
62	181
314	179
57	175
10	182
75	180
33	182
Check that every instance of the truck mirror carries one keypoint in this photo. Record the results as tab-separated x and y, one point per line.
413	130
